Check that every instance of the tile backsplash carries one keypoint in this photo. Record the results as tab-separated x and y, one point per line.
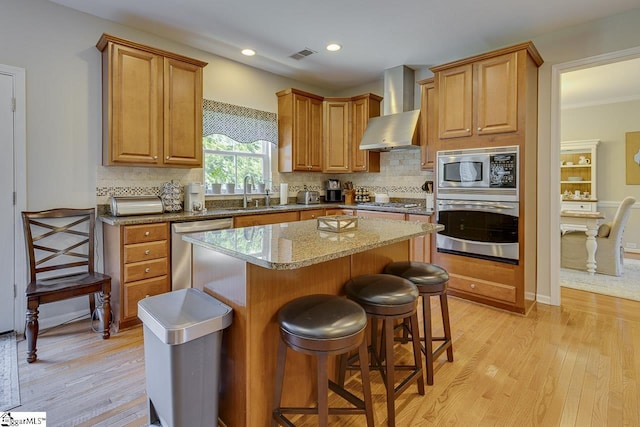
400	176
138	181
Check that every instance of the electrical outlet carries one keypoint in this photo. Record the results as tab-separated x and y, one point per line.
631	246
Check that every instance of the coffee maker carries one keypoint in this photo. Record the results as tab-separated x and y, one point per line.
194	197
333	192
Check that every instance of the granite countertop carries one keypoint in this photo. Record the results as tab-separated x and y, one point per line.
213	213
293	245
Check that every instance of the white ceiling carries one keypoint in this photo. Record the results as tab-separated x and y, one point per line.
604	84
375	34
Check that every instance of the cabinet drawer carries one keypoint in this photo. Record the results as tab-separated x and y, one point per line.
311	214
135	291
145	233
144	251
483	288
145	269
578	206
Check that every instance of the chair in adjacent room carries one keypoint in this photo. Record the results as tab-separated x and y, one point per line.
609	254
60	253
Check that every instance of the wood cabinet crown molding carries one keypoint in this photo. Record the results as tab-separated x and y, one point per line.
106	38
528	46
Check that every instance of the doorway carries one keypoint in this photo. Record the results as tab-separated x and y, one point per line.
556	99
12	197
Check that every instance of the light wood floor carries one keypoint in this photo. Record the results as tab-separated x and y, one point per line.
575	365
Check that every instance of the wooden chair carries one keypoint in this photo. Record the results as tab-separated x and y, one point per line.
60	253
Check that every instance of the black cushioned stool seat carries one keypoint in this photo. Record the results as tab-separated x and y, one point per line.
431	280
323	325
389	298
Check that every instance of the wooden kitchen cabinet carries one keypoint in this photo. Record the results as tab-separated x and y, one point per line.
152	106
345	122
137	259
338	211
485	95
300	122
420	249
427	124
490	100
311	214
363	107
264	219
337	149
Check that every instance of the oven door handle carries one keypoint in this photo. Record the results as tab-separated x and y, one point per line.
490	205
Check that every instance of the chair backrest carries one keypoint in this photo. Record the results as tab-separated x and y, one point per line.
620	220
59	239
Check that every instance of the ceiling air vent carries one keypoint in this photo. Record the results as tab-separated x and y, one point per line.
303	53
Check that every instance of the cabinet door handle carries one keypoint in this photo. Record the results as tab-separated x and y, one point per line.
479	128
147	252
146	233
167	157
467	130
473	286
155	157
146	270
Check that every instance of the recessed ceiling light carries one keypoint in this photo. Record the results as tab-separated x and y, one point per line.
333	47
248	52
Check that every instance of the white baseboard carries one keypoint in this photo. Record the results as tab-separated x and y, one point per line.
543	299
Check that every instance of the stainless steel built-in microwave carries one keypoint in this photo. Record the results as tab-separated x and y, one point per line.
478	174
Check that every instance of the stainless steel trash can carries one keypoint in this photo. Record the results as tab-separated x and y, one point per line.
182	340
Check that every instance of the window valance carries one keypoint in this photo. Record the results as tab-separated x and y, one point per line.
242	124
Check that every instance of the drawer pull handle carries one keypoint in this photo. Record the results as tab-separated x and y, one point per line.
146	233
147	252
146	270
473	286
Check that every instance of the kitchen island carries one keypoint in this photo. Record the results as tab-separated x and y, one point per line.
256	270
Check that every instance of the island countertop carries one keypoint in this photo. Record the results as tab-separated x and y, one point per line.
294	245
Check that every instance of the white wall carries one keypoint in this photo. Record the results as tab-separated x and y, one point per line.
608	123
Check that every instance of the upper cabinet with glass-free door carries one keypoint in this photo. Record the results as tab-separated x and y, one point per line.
485	96
152	105
300	122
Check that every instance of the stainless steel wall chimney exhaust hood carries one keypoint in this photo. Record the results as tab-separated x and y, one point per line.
397	129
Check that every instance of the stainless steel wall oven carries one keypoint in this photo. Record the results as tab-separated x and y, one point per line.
477	195
479	229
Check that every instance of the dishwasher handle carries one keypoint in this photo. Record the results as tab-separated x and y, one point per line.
204	225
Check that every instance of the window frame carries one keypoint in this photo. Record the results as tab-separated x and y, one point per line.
264	155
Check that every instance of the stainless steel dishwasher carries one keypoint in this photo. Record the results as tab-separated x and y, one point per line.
181	251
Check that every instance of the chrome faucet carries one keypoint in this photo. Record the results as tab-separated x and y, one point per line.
244	190
267	198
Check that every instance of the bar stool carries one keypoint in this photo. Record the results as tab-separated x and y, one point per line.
389	298
431	281
323	325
